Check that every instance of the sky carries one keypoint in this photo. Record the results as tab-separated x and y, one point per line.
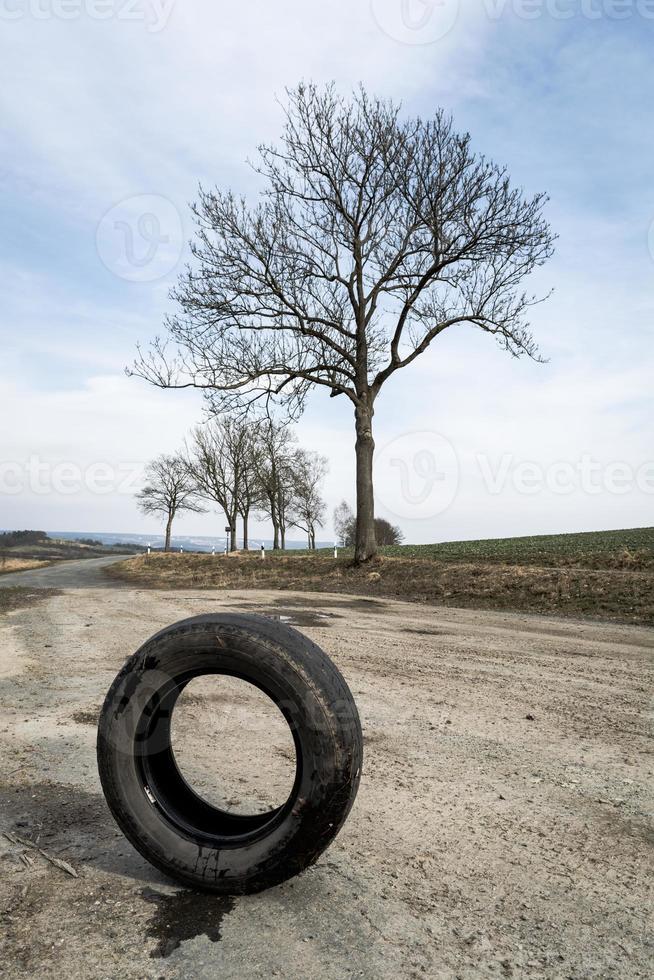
114	111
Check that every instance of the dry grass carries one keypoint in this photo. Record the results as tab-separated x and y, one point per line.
621	595
8	564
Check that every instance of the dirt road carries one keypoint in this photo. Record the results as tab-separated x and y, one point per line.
503	826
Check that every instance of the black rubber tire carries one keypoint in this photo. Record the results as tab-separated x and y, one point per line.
157	810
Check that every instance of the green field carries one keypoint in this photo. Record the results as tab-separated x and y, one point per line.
631	548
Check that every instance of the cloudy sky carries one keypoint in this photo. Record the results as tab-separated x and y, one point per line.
114	110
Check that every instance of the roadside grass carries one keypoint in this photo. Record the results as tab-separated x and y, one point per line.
605	575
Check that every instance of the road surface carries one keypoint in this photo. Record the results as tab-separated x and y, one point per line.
83	574
503	826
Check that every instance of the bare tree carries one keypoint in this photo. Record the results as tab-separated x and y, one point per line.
273	467
374	235
168	490
218	457
387	533
308	509
344	524
249	491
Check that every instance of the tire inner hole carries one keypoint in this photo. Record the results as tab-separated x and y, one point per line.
233	745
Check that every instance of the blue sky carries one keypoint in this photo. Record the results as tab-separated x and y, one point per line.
108	118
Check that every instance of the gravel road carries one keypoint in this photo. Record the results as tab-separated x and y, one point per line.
503	826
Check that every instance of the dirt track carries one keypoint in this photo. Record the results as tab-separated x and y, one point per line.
503	826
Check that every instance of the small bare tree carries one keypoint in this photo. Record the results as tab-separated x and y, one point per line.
217	459
374	235
273	468
308	509
249	490
344	524
168	490
387	533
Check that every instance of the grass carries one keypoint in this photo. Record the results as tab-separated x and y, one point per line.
605	575
9	564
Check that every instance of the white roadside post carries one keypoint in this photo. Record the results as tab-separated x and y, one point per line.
148	547
263	551
181	551
335	550
213	549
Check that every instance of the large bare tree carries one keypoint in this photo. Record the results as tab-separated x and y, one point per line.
373	235
168	490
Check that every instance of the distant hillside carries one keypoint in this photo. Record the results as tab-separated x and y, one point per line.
203	543
40	546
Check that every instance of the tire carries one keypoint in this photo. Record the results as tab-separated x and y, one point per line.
158	811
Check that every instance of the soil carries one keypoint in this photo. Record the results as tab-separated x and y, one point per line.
503	826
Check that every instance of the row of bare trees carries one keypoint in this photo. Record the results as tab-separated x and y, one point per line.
241	468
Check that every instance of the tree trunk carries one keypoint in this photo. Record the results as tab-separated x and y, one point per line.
282	536
365	544
275	534
245	531
169	524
